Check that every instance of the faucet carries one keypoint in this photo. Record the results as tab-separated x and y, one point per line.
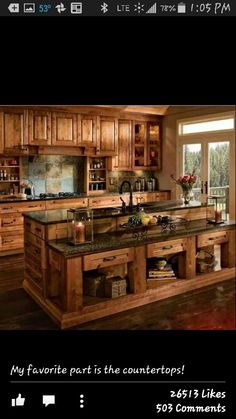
130	192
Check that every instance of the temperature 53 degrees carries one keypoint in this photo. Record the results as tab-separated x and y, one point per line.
44	8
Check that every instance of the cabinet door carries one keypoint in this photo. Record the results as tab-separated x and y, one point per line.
139	145
123	160
14	132
39	128
65	129
154	145
107	129
1	134
88	131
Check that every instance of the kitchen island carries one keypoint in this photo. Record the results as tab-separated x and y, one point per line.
56	271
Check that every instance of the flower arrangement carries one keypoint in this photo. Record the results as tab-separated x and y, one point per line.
186	182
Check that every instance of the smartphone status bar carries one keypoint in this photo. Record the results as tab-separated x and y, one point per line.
120	8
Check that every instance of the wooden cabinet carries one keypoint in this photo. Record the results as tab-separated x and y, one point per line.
123	160
154	146
65	129
158	196
106	201
139	145
13	133
39	127
104	259
67	203
11	224
1	133
210	239
88	137
146	145
107	135
95	178
10	172
165	248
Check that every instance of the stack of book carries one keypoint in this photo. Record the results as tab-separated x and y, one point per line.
164	273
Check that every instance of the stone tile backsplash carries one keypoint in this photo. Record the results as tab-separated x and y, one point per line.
66	174
116	178
54	173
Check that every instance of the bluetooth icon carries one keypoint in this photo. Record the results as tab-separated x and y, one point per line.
104	7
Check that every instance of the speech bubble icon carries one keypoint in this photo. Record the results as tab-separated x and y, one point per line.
48	399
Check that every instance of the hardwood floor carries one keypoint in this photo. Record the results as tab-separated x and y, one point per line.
210	308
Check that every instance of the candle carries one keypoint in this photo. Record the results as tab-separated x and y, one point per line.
80	232
218	216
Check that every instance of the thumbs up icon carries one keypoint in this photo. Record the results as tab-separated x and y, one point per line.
19	401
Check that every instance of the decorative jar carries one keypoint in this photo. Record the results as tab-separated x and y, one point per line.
216	209
80	226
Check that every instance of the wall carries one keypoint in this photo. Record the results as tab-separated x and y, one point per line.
118	177
54	173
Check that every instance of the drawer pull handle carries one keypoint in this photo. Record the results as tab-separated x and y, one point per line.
10	222
8	241
108	259
7	208
32	206
167	247
38	229
216	238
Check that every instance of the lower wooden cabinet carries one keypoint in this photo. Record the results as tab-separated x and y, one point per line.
11	224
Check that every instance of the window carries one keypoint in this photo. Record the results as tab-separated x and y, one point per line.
206	126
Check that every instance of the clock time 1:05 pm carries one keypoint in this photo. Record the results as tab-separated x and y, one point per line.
216	8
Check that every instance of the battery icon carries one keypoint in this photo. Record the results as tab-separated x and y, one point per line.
181	8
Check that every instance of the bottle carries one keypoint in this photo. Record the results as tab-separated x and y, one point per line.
5	175
1	175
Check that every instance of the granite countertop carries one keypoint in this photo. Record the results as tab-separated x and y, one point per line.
60	215
105	242
80	195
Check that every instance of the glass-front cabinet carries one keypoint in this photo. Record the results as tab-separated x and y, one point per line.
140	144
153	146
146	145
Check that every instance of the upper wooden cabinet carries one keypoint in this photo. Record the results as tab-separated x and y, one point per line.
139	145
13	133
65	129
40	127
107	135
154	145
1	134
146	145
88	131
123	161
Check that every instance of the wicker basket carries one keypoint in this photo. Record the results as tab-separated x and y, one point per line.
205	261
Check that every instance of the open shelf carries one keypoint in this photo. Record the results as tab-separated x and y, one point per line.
96	177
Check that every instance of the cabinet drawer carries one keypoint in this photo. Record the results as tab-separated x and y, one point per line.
57	231
11	220
210	239
67	203
34	228
33	276
165	248
55	260
11	240
37	254
36	241
20	207
104	202
104	259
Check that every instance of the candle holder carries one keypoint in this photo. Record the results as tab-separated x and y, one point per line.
79	226
216	209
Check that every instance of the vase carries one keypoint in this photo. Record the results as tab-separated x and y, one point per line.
187	195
